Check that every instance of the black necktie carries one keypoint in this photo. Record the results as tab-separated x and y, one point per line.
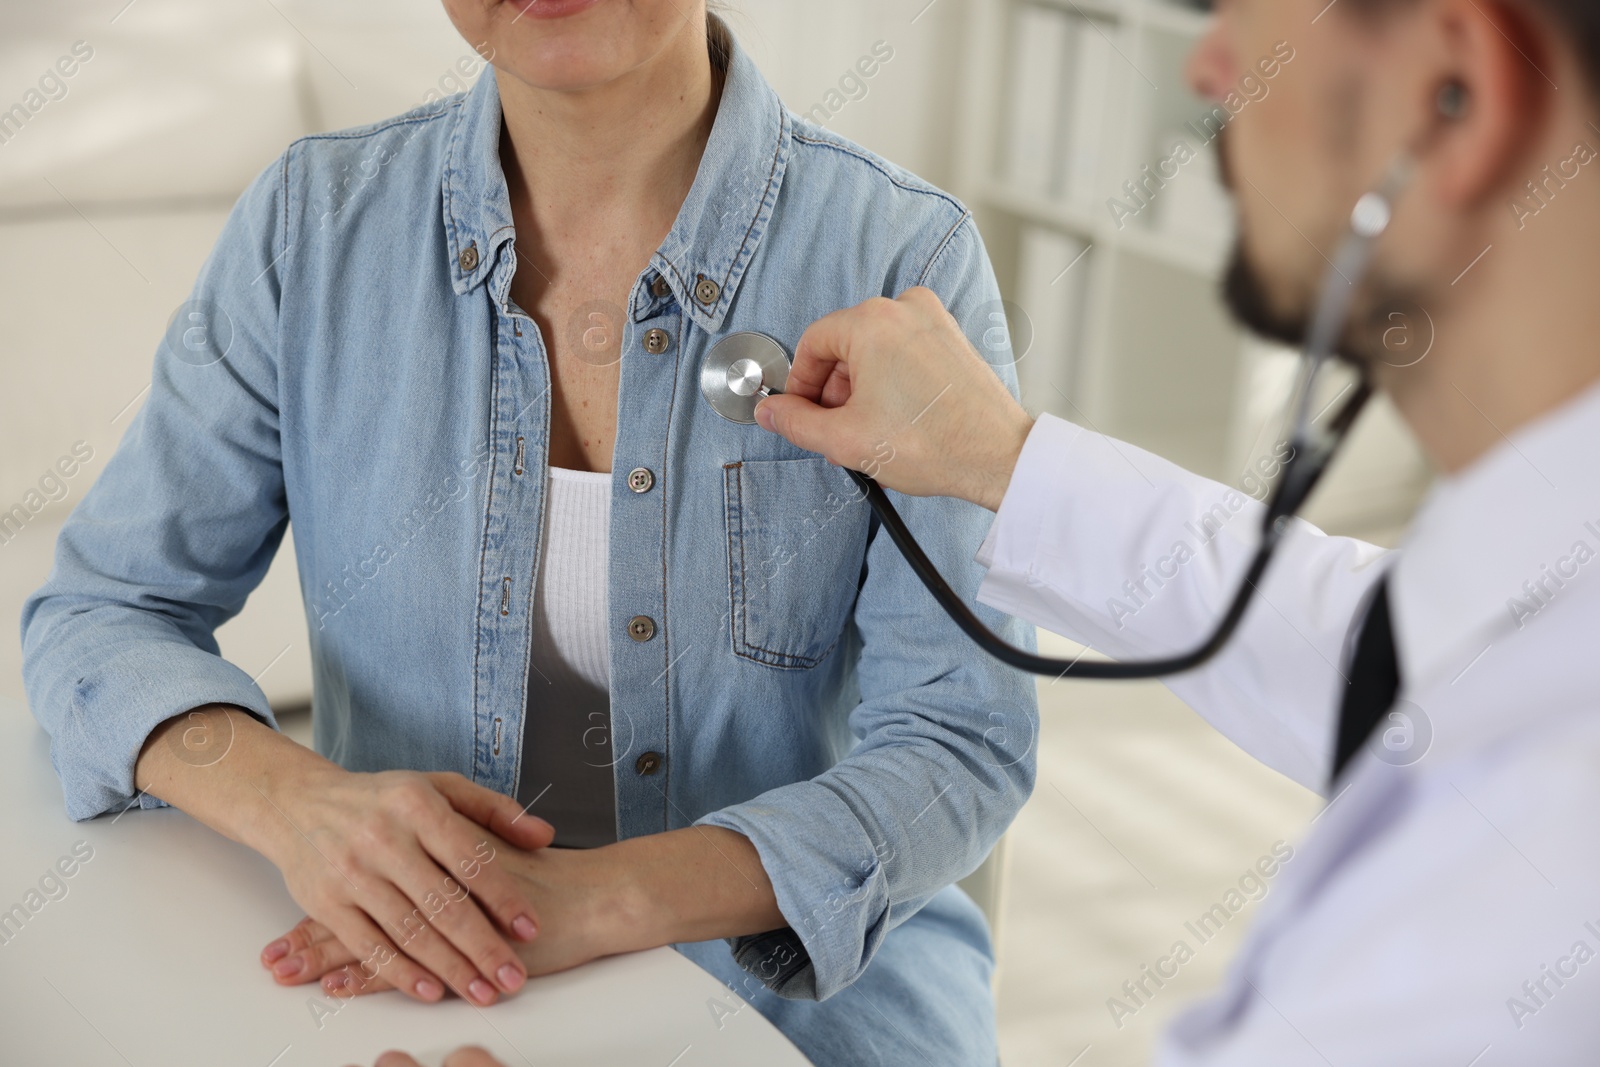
1374	681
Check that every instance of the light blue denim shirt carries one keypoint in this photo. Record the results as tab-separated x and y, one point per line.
351	360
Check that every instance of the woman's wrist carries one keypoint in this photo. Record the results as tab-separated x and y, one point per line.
230	771
695	884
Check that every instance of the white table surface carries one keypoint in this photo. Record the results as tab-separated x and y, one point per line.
149	960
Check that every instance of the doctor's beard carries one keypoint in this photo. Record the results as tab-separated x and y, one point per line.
1370	334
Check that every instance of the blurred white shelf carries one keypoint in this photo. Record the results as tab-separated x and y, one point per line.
1156	361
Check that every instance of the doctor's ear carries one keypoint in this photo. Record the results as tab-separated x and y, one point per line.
1495	105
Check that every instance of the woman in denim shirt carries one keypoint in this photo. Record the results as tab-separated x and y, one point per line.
403	330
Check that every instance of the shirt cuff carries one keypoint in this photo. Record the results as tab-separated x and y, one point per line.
112	710
1012	548
829	883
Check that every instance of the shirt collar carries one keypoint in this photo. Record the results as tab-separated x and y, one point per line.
718	229
1496	544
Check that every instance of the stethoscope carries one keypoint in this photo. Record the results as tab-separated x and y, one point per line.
743	368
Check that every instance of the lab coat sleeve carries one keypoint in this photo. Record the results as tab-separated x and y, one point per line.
945	757
176	532
1137	558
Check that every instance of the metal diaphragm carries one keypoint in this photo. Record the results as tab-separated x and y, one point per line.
741	369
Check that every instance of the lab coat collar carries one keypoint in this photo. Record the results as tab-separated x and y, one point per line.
718	229
1498	545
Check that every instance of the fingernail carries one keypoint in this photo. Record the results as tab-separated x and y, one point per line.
481	991
289	968
428	989
510	978
523	927
763	416
338	980
277	950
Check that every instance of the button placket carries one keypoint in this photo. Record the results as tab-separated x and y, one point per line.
640	661
510	558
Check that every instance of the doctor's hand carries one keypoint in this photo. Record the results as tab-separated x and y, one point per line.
892	388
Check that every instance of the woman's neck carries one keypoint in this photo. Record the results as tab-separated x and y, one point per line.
631	146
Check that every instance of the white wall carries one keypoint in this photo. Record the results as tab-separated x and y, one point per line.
111	196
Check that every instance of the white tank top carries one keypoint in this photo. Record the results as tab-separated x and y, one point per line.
566	736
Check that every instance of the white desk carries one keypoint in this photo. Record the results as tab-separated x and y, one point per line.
149	960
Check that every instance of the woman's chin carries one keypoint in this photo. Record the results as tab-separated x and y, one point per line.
560	69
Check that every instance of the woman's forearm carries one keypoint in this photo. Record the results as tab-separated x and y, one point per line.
224	767
695	884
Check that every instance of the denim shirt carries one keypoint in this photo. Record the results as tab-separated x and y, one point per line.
350	359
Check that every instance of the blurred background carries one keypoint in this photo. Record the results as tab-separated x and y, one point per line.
1059	123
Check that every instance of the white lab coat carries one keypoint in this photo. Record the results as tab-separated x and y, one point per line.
1445	907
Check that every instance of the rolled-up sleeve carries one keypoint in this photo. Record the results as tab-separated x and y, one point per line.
177	531
947	736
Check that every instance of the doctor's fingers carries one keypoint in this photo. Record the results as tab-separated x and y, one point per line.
837	434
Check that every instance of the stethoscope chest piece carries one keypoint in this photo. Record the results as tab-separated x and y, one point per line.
740	370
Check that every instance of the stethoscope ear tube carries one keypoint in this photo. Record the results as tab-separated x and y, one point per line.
1300	476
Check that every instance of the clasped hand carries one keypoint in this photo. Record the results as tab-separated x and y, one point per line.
580	919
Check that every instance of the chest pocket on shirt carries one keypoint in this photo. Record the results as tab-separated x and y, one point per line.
796	538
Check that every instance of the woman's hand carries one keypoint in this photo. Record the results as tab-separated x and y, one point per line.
585	907
698	883
892	388
401	865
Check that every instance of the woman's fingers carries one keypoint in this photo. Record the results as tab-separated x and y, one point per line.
469	957
495	812
373	955
448	924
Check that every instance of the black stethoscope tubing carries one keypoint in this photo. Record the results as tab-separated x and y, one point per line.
1302	471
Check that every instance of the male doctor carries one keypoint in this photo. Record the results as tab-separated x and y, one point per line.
1445	909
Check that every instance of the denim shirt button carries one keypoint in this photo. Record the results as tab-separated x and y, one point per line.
469	257
649	763
706	291
640	480
656	341
641	628
659	288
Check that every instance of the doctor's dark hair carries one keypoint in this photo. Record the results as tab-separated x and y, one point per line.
1579	19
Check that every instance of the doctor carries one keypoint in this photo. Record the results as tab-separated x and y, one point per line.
1446	906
